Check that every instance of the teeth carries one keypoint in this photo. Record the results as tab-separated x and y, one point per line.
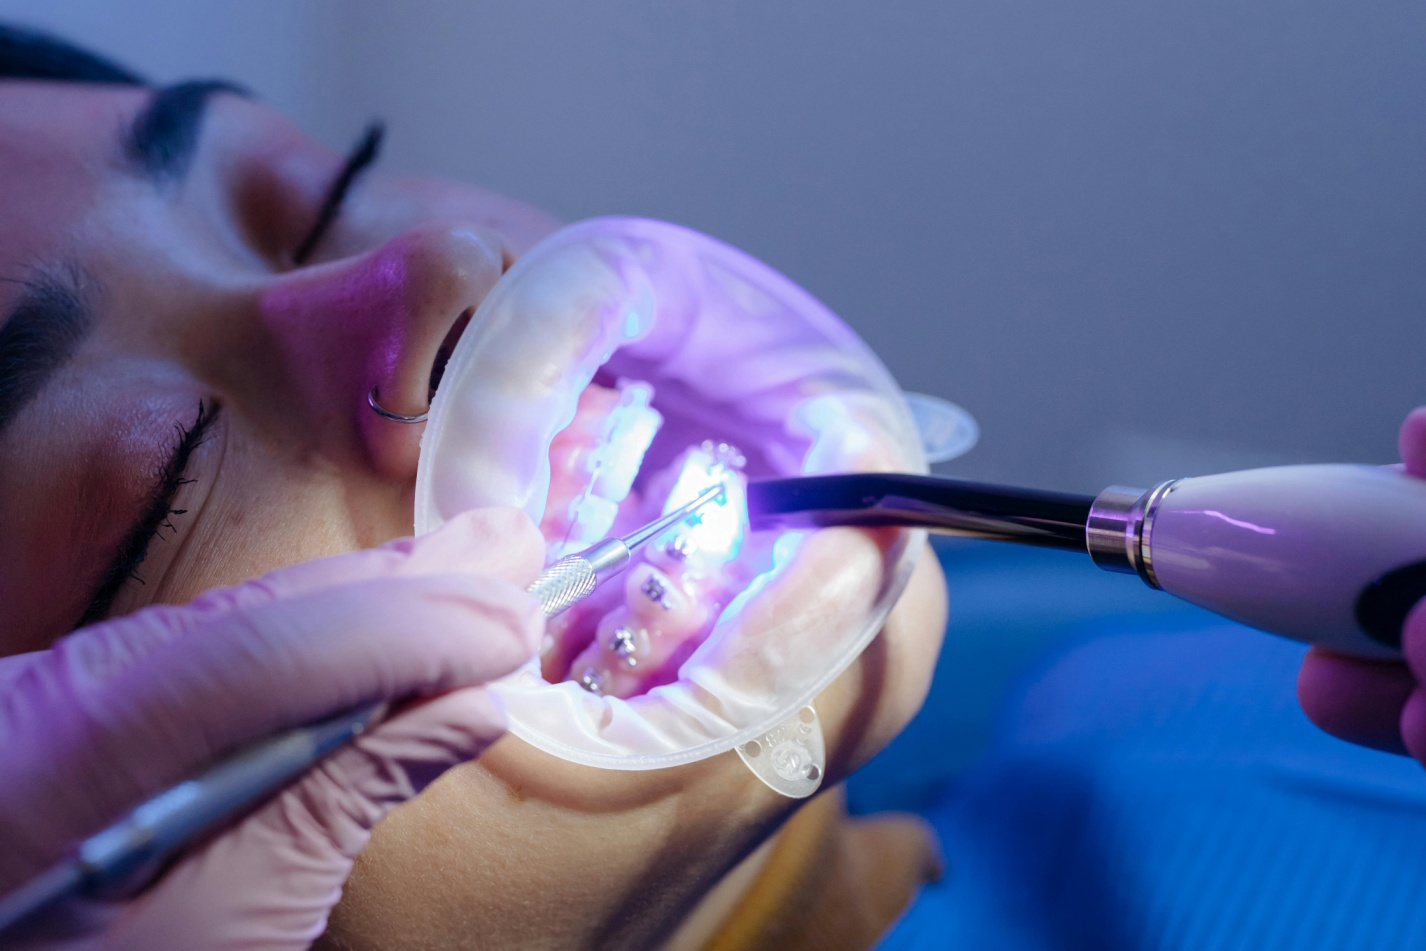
590	519
655	589
714	535
627	436
671	598
610	467
569	460
593	681
676	549
659	621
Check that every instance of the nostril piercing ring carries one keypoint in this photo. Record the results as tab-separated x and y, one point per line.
385	413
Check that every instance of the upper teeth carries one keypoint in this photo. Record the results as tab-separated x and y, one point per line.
515	376
612	466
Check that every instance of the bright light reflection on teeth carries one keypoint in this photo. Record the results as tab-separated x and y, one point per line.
612	466
671	599
713	535
630	431
591	516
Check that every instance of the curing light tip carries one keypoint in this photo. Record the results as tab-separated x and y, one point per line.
652	530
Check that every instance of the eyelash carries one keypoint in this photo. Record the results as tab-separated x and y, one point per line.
158	514
361	157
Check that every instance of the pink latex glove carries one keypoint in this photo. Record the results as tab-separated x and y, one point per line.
1375	703
119	711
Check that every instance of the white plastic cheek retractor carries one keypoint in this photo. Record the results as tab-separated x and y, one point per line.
718	347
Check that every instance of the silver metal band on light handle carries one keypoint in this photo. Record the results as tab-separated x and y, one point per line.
385	413
1120	528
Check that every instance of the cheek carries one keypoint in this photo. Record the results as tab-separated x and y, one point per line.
81	467
105	489
265	511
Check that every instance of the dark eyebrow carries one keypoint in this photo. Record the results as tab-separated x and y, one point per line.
160	142
43	330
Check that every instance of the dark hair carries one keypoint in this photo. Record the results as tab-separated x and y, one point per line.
27	54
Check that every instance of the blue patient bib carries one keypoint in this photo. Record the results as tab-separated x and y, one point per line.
1163	790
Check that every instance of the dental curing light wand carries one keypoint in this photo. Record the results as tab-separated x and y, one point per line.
1333	555
125	856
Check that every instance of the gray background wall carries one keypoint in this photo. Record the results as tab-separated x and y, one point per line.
1135	239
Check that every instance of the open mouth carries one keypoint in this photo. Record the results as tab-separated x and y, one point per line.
613	372
633	636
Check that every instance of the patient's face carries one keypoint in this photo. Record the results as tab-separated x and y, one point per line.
187	407
166	283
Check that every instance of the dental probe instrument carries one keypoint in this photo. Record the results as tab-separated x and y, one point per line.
574	577
124	856
1333	555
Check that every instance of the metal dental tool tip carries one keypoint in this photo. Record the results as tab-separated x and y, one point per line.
574	577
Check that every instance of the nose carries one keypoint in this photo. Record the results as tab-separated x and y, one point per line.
376	322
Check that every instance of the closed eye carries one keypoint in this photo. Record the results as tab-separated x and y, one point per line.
361	157
157	517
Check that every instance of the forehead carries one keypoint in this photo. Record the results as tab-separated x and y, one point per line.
58	148
40	118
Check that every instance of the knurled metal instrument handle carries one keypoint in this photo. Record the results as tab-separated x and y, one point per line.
564	584
574	577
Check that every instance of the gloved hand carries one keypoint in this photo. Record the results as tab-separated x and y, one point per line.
1375	703
119	711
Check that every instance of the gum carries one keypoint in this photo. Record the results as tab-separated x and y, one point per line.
570	451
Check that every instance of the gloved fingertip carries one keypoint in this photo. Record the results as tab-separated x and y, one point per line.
1360	701
1413	725
478	710
1413	639
530	629
500	540
429	736
1411	442
505	623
